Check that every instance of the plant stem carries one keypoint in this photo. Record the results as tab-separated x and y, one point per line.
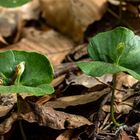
112	102
20	123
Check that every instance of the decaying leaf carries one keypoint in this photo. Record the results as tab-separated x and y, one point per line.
9	26
124	136
138	132
49	43
121	108
72	17
2	40
7	124
6	103
66	135
12	20
47	116
64	102
126	80
29	11
88	81
44	116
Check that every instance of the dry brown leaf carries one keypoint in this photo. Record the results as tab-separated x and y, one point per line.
47	116
6	103
29	11
12	20
2	40
72	17
66	135
138	132
7	124
120	108
124	136
50	43
88	81
64	102
126	80
8	27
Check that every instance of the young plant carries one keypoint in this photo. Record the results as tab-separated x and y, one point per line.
113	52
25	72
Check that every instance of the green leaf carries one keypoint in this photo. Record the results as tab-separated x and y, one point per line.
37	91
38	71
119	46
98	68
13	3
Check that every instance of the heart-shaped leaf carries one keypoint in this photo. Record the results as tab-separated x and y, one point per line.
98	68
38	73
116	50
12	3
37	91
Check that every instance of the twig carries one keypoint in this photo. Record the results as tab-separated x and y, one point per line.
110	85
99	115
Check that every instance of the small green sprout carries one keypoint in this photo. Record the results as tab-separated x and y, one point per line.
113	52
25	72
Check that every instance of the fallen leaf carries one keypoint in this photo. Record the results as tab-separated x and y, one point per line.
64	102
7	124
124	136
2	40
44	116
49	43
66	135
138	132
72	17
88	81
28	11
126	80
121	108
47	116
6	103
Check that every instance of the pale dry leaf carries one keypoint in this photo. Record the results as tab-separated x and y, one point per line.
88	81
124	136
49	43
114	2
12	20
58	80
126	80
28	11
64	102
138	132
7	124
8	27
72	17
2	40
4	110
120	108
66	135
6	103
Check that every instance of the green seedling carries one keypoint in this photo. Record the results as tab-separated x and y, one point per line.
25	72
112	52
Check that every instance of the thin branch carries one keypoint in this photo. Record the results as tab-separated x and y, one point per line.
110	85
